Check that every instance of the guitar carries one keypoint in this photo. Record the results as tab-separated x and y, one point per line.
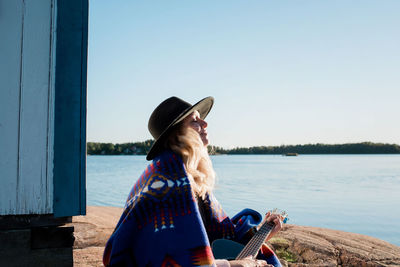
231	250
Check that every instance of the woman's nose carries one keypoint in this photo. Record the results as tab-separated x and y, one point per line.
204	124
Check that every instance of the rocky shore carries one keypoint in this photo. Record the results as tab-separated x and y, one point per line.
295	245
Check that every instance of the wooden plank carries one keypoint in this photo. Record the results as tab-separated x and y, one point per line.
15	239
52	237
24	248
60	257
34	189
83	147
12	222
11	23
50	131
70	108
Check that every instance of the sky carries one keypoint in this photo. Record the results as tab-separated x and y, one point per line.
281	72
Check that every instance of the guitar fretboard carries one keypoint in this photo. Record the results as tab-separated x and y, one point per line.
254	245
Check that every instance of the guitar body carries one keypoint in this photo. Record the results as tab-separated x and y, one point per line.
226	249
231	250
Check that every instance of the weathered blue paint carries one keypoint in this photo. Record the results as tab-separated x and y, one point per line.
70	108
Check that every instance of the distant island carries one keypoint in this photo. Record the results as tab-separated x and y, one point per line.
141	148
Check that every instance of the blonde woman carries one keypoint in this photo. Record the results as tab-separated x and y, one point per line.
171	216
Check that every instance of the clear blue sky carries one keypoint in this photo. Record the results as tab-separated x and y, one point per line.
281	72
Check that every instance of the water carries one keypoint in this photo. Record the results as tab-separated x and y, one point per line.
354	193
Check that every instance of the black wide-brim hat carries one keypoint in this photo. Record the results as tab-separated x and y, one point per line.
168	114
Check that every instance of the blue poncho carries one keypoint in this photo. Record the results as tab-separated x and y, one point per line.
161	224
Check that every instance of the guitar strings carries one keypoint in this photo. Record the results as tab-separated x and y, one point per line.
252	248
255	243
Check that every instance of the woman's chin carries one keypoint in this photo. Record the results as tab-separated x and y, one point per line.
205	141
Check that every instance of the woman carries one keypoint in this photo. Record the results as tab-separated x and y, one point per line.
171	215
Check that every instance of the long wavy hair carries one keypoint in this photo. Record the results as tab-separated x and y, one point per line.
187	142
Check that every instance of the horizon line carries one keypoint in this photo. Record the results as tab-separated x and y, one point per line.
361	142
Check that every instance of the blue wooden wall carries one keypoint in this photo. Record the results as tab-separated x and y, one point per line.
70	108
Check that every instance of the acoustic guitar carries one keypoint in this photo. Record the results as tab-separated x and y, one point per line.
231	250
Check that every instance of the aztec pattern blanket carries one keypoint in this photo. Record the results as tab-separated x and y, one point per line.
161	224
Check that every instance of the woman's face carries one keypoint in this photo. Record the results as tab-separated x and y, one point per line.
196	123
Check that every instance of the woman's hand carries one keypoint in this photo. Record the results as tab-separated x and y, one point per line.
277	219
249	262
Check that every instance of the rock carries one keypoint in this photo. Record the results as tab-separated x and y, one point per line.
312	246
88	257
296	246
91	234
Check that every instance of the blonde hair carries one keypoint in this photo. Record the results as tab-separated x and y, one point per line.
186	142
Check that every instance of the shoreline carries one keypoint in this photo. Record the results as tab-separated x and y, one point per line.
141	148
299	245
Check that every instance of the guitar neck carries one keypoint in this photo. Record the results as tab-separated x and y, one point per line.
255	243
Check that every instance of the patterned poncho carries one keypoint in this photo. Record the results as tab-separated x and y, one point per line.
161	224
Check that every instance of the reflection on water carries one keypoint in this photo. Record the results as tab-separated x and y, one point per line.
346	192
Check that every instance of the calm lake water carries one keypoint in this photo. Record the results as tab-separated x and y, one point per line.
354	193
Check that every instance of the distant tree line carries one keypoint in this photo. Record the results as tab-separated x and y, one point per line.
141	148
138	148
354	148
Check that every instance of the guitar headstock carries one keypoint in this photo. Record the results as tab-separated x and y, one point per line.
282	213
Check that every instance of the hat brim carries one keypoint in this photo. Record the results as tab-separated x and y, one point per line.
203	107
